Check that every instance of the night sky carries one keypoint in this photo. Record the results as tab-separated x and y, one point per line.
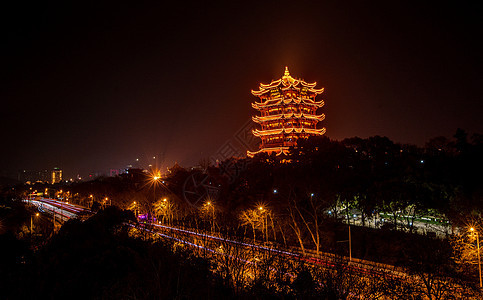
88	86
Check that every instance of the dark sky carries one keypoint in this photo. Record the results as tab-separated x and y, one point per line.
89	86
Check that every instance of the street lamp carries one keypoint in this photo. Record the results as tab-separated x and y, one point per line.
209	204
264	221
32	223
135	209
478	247
166	210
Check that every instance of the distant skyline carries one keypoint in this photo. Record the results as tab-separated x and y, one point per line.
93	86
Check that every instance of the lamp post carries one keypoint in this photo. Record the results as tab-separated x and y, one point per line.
264	222
155	181
212	216
478	247
166	211
32	223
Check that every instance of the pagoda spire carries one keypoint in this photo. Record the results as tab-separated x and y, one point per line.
286	76
286	73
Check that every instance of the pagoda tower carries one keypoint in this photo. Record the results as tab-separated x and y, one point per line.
288	112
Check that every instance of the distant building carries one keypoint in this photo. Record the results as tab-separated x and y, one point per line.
288	112
113	172
56	175
33	176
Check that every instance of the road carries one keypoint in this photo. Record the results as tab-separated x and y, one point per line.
218	245
61	210
249	255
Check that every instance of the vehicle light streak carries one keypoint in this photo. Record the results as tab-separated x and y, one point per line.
230	241
64	210
360	267
208	249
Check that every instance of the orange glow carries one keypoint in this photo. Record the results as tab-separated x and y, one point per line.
288	112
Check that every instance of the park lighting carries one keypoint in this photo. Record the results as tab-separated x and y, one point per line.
210	204
164	200
32	223
478	247
264	213
155	176
135	209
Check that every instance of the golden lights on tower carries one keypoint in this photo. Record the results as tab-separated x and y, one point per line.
288	112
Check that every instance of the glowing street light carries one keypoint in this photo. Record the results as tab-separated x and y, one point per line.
478	247
209	204
32	222
135	209
264	212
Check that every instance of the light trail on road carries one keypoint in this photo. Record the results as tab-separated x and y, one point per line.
206	248
363	267
65	211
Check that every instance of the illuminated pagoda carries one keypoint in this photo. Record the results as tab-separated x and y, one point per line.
288	112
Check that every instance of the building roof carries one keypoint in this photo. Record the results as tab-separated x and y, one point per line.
287	82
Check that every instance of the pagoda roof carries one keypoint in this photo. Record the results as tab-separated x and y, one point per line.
281	100
287	82
258	133
277	150
259	119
